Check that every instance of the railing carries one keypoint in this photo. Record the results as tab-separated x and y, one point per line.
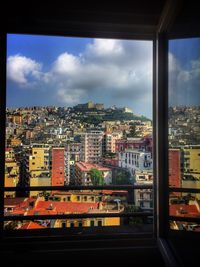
184	218
102	214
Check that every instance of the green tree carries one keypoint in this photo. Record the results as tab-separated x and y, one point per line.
122	177
96	177
132	131
124	134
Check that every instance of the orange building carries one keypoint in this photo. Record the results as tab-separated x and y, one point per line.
174	168
58	166
17	118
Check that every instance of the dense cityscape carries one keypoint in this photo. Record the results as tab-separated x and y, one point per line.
89	144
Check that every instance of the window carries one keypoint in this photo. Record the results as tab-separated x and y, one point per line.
63	224
72	224
84	69
184	137
92	224
80	224
99	223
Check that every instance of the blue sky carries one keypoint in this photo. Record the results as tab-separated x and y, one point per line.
184	72
65	71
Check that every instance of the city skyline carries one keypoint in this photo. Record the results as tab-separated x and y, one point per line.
76	70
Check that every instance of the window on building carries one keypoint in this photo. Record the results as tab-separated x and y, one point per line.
92	224
99	223
80	224
72	224
63	224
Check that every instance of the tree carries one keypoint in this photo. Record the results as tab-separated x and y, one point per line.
122	177
133	132
124	134
96	177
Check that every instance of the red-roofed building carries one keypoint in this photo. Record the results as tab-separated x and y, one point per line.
32	225
135	143
184	210
64	207
82	175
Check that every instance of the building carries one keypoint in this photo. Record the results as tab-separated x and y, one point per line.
174	168
16	118
135	160
13	141
11	172
135	143
190	159
92	146
36	167
82	173
109	142
58	166
89	105
39	178
143	197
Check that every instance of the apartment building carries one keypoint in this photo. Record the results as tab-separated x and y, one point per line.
11	172
58	166
109	142
174	168
135	143
92	146
37	167
135	160
143	197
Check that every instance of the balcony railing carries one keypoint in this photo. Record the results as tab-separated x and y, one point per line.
103	214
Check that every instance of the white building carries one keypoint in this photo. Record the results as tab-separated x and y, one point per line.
144	197
135	160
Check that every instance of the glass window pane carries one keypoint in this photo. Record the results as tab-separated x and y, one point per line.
184	125
79	113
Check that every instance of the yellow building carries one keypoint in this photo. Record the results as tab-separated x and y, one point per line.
191	168
11	176
191	161
37	168
14	141
79	196
39	178
17	118
88	222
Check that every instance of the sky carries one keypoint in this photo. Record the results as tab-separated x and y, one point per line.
66	71
184	72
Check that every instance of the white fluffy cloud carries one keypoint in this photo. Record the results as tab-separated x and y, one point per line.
66	64
122	69
183	81
21	69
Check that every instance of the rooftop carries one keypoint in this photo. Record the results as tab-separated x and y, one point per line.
85	166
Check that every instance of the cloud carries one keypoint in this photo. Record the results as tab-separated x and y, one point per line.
184	82
118	68
72	96
21	69
66	64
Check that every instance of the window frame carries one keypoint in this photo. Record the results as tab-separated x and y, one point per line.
92	32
